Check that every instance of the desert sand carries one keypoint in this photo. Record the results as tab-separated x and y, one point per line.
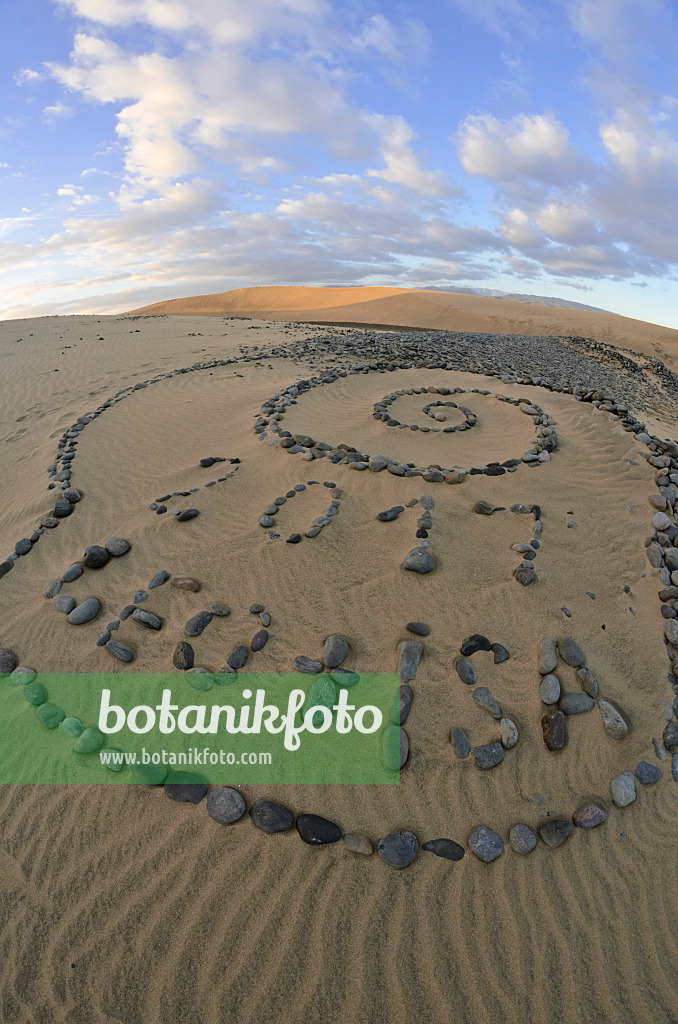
120	906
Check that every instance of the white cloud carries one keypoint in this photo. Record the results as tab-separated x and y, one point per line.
25	76
402	164
57	111
525	146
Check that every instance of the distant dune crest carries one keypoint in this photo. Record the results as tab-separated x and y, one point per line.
424	309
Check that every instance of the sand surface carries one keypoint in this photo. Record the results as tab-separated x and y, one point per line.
119	906
410	307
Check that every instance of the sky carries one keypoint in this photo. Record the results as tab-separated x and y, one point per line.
156	148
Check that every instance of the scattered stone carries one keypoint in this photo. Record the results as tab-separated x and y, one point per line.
120	651
343	677
72	573
317	831
141	595
95	557
147	619
623	789
225	805
358	844
483	508
489	755
73	727
419	560
186	787
270	817
160	577
570	652
587	681
500	653
547	656
35	694
89	741
460	742
238	658
195	625
302	663
522	839
475	643
465	671
554	833
50	715
117	546
525	575
484	698
259	640
486	844
335	651
188	513
613	723
409	659
670	736
589	816
549	689
509	733
221	610
64	603
575	703
446	848
647	773
418	628
89	609
52	588
398	849
401	705
553	730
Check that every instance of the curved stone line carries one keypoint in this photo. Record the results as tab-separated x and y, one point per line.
267	520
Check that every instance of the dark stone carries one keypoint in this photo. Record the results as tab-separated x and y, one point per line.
418	628
398	849
554	833
160	577
185	787
302	663
525	575
89	609
238	659
553	730
270	817
647	773
259	640
500	653
184	656
147	619
489	755
120	651
96	557
117	546
188	513
195	625
62	509
225	805
7	661
670	736
317	831
446	848
474	643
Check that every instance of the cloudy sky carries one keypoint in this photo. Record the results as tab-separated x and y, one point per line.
156	148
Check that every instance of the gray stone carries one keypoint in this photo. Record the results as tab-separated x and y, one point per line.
674	767
509	733
259	640
271	817
117	546
575	703
484	698
302	663
589	815
84	612
160	577
398	849
670	736
419	560
525	575
147	619
409	658
554	833
549	689
445	848
335	651
587	681
522	839
197	623
647	773
225	805
238	658
419	628
52	588
547	656
466	671
64	603
120	651
188	513
460	742
73	572
553	730
486	844
623	789
7	661
570	652
613	723
221	610
95	557
184	656
489	755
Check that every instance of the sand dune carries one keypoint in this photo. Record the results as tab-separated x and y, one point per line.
427	310
120	906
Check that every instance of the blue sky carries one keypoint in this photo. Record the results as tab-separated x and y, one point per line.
156	148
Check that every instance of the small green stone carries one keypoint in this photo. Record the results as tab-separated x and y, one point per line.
72	727
89	741
321	694
200	680
50	715
390	746
179	777
35	694
150	774
111	764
